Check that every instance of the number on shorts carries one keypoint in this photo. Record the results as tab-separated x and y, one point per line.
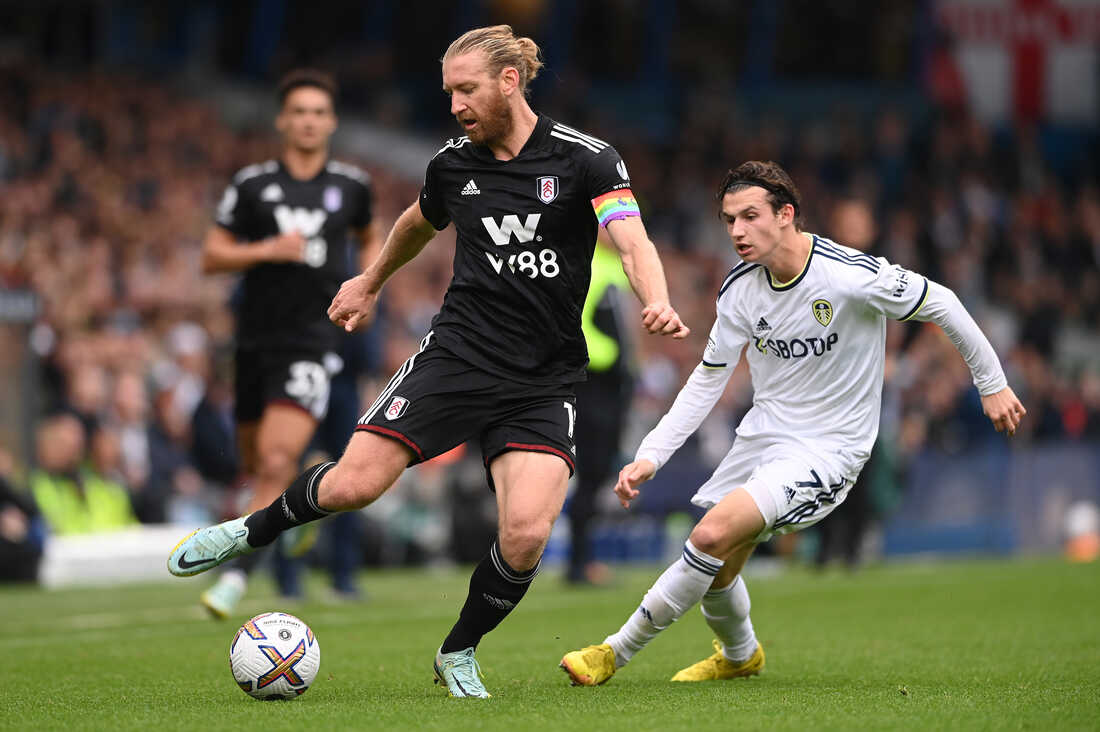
309	384
572	417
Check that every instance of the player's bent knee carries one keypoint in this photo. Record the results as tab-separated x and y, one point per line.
712	538
522	545
276	464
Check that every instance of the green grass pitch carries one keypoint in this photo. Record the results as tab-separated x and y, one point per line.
957	645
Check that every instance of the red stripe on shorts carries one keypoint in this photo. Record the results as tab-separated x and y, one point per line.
284	402
542	448
394	434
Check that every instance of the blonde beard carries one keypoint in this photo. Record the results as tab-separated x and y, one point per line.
503	123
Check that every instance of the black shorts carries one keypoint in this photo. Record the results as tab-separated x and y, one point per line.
294	378
436	401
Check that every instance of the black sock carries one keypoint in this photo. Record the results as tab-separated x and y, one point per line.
495	588
297	505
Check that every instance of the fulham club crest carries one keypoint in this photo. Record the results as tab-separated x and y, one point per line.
548	188
398	406
333	199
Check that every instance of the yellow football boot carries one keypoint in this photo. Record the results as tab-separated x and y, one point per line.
718	666
590	666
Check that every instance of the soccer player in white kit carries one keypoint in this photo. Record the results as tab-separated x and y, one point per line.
810	315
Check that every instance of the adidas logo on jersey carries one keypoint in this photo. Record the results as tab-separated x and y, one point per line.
471	189
272	193
761	328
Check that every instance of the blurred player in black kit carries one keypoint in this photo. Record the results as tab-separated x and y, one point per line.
526	196
291	226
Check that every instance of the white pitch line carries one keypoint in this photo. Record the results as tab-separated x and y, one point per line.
89	627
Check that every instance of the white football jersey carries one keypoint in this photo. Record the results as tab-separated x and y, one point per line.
816	347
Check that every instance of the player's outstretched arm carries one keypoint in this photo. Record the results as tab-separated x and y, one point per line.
999	402
353	306
221	252
643	268
1004	410
698	396
632	476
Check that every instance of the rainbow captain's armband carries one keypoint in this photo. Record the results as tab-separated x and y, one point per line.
615	205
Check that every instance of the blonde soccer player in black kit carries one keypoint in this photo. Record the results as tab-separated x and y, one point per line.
526	195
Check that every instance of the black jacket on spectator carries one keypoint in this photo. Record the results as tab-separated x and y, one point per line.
20	541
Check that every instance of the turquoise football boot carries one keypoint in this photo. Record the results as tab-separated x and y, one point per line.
207	548
459	673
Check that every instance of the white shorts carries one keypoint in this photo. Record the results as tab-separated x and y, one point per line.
792	487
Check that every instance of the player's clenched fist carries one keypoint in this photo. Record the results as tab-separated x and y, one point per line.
289	247
353	306
631	477
661	319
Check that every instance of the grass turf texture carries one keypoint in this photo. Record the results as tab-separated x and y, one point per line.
961	645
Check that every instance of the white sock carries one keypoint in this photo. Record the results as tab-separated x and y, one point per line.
675	591
234	576
726	611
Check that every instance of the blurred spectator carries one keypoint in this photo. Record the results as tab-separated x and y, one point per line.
130	410
87	395
175	491
105	457
75	500
203	393
21	535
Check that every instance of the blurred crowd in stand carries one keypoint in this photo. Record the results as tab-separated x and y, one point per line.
107	183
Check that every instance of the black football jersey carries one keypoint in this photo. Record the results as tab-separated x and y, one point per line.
526	228
285	305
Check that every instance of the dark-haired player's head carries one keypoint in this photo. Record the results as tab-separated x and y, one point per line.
307	114
486	72
759	205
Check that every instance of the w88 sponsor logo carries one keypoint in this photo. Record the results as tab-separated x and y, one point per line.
528	263
797	347
308	223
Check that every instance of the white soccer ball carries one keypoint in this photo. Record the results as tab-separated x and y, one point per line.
274	656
